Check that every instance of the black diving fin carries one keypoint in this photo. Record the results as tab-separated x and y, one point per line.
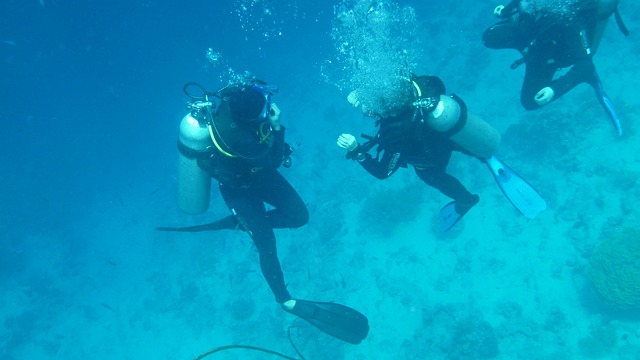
334	319
229	222
196	228
519	192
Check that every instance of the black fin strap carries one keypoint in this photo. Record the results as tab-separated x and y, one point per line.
462	120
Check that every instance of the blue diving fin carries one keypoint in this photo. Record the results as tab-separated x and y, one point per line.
451	213
605	101
448	216
519	192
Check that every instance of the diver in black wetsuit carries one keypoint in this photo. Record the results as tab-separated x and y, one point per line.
409	135
250	150
550	42
246	147
401	143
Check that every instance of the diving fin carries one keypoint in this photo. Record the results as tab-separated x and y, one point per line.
519	192
196	228
451	213
448	216
334	319
229	223
606	103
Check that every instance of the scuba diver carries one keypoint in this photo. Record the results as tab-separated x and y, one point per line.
240	144
552	37
423	131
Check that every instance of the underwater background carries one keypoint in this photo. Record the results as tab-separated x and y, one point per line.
91	98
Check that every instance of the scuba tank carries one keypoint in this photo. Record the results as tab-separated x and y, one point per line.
194	140
467	130
194	184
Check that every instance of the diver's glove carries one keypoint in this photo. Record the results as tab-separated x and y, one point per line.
353	98
498	11
544	96
347	142
274	117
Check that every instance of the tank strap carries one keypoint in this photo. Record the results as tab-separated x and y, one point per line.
193	154
462	121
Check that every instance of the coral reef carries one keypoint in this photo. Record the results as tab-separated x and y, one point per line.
390	206
615	269
474	338
601	341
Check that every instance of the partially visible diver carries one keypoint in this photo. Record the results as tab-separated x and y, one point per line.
240	143
422	130
553	36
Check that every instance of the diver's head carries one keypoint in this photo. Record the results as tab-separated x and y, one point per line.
249	103
419	95
383	100
426	93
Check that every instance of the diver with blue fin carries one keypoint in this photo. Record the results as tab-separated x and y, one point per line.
422	127
235	137
552	37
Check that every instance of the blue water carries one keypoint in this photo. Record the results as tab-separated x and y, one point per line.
91	101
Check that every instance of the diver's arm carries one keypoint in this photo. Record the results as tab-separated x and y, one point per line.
380	168
278	145
277	137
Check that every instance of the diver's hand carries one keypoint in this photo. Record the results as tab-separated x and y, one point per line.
498	11
353	98
348	142
544	96
274	117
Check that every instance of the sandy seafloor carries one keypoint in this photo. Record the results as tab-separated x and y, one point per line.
90	111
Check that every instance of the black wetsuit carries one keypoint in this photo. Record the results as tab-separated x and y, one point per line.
246	184
547	45
403	141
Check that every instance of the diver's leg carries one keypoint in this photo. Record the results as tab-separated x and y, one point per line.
289	209
251	214
448	186
503	35
434	174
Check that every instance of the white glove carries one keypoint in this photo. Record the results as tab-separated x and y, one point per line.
498	11
544	96
274	117
348	142
353	98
